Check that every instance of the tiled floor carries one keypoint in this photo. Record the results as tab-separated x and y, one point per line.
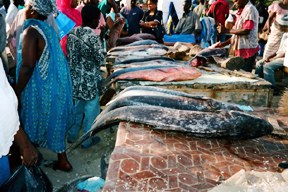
148	160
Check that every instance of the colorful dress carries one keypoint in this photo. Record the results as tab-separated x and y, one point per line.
46	101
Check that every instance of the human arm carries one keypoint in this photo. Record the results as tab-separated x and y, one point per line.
109	22
151	24
27	150
221	29
114	5
220	44
267	26
29	56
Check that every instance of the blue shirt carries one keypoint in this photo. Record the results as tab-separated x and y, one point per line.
133	17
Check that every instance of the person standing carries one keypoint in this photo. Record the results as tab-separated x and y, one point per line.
43	83
68	7
9	129
133	15
102	23
190	22
85	58
219	10
200	9
244	40
152	18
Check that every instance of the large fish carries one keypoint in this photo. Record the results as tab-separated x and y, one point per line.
144	98
157	61
143	42
141	68
201	102
136	48
115	32
156	50
202	57
132	65
136	60
135	38
233	124
163	74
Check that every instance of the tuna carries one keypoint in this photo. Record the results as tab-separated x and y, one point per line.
143	42
135	38
157	61
152	58
137	48
132	65
202	57
218	124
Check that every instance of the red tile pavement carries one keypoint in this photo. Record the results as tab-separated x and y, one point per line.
149	160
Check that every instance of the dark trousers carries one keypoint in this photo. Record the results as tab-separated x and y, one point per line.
250	63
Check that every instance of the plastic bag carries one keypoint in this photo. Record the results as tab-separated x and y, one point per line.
28	180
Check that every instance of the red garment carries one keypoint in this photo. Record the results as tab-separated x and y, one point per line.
222	10
65	7
249	24
246	53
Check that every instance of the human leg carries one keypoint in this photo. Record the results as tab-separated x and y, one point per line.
92	110
73	132
62	164
259	68
269	70
249	63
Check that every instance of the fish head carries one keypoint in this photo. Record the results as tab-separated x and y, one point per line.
198	61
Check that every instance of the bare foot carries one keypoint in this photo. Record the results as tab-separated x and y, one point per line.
62	164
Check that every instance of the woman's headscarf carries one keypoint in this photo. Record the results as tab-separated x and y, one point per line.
43	7
65	7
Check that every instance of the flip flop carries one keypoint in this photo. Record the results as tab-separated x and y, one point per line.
94	140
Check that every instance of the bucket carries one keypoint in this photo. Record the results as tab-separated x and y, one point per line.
64	23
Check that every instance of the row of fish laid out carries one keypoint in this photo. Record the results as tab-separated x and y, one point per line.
177	111
157	72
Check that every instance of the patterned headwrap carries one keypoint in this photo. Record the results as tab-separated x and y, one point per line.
43	7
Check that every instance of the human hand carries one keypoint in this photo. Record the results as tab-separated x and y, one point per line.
216	45
29	155
103	30
221	29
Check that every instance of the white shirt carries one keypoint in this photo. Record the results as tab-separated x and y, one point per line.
284	48
10	16
9	119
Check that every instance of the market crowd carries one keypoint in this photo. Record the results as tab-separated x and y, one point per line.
58	48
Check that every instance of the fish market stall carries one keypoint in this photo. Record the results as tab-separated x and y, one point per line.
146	160
206	80
224	87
